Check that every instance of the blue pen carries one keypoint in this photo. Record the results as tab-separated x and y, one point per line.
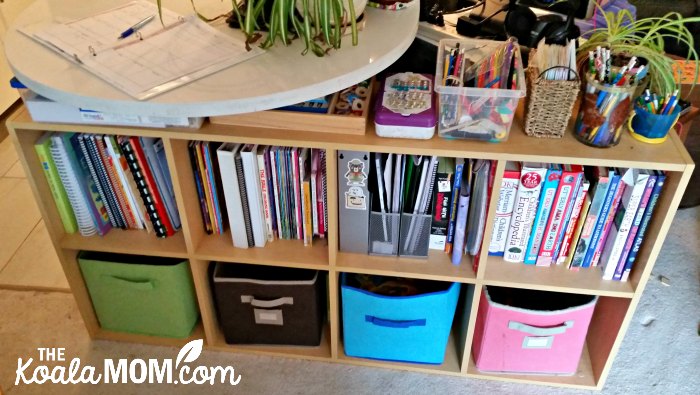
133	29
670	103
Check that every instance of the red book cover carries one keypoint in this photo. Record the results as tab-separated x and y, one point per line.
566	194
151	184
297	194
116	184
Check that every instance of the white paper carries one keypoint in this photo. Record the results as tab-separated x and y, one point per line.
156	59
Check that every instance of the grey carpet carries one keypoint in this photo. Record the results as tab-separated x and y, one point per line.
659	355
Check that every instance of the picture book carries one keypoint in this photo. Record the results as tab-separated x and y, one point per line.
635	182
655	195
651	181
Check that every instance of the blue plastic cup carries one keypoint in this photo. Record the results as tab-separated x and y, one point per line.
652	128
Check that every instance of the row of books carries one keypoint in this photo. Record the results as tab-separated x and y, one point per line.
453	191
100	182
574	216
262	192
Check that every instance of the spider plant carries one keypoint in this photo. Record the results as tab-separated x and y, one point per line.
644	38
321	24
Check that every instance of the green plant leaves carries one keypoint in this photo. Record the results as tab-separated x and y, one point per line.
645	38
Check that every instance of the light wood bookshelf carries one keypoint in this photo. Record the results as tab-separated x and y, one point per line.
611	318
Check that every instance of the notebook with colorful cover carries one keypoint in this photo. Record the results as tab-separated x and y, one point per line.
65	211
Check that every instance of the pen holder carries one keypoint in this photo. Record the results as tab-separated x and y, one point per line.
604	110
652	128
550	102
415	235
383	233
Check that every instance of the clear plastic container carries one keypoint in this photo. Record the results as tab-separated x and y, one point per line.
604	110
477	113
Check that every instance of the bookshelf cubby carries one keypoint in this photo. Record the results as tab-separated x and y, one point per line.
613	313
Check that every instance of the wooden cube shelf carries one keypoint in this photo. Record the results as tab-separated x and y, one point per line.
612	315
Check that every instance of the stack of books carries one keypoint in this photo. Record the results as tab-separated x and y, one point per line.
100	182
574	216
262	192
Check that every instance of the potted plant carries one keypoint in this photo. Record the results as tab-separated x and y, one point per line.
321	24
644	38
606	104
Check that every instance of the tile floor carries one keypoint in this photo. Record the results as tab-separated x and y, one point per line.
27	259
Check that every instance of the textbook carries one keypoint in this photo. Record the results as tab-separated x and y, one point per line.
65	211
544	208
531	177
504	209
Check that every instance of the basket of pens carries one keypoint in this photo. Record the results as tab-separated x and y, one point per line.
653	117
479	84
607	100
554	85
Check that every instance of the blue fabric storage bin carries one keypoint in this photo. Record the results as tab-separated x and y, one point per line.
402	328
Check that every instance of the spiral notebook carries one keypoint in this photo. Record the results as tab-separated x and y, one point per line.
156	59
70	182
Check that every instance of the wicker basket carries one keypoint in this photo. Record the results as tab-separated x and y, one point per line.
549	102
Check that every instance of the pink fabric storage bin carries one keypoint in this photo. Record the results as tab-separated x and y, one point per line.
526	331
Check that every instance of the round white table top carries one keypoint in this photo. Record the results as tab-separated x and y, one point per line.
279	77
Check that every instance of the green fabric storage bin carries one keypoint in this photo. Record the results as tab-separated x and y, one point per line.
141	294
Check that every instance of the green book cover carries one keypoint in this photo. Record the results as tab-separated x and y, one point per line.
42	148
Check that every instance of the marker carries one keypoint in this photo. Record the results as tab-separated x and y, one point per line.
668	108
133	29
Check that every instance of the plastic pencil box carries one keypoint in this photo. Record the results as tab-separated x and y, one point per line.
405	107
484	114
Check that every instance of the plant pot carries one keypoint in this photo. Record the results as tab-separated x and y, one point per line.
359	7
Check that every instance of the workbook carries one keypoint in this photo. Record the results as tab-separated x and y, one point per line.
164	54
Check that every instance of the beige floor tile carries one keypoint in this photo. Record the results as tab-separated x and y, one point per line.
19	215
8	155
16	171
7	185
35	264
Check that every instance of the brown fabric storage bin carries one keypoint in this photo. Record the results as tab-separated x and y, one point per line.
270	305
